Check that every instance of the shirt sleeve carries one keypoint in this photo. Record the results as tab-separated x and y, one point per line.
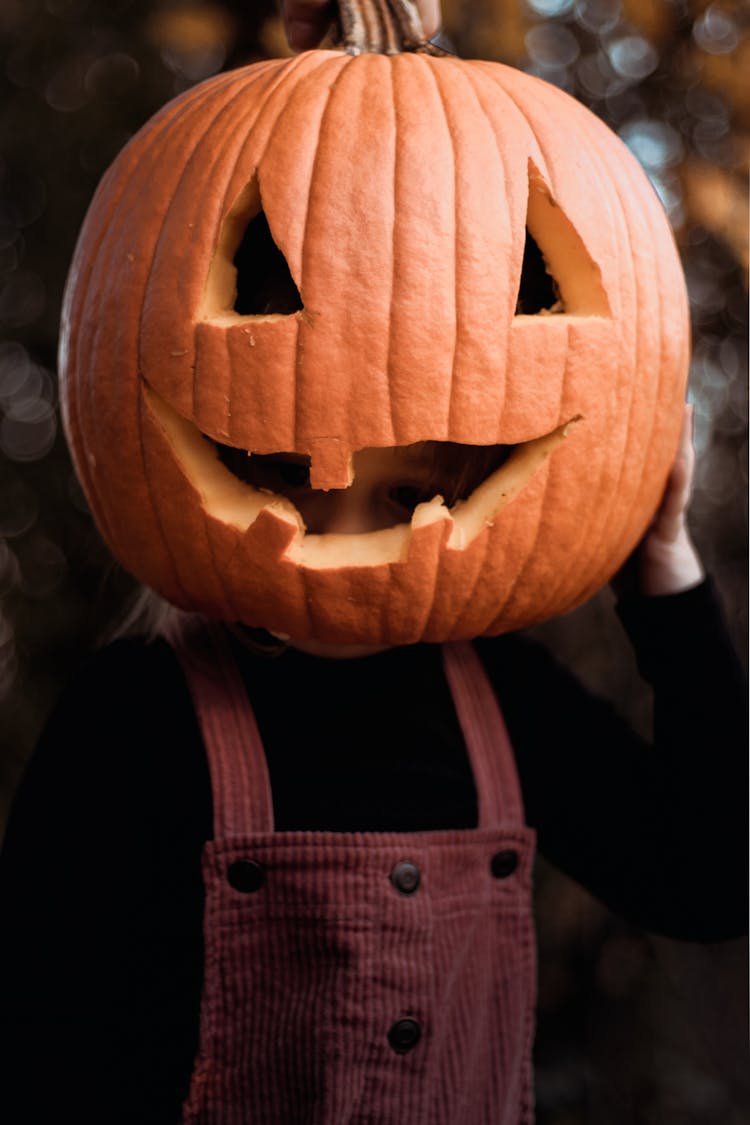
656	830
96	881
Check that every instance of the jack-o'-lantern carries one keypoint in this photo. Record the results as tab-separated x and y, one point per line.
338	252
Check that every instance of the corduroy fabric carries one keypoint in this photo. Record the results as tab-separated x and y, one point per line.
305	975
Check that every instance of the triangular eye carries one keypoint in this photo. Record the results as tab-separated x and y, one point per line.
558	274
248	275
537	290
264	283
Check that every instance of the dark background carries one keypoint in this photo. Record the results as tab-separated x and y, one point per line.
631	1029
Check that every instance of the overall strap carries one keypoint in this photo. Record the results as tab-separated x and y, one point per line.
237	763
486	737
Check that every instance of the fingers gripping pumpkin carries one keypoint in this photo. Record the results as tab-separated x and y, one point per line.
335	253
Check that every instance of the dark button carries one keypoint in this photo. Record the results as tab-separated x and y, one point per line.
404	1035
504	863
405	877
245	875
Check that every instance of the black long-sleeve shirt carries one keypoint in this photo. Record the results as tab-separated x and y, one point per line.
100	885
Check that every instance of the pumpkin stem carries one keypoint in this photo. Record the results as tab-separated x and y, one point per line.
384	27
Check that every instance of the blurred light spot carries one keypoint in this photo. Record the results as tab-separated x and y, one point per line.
18	509
10	573
706	291
30	410
709	128
708	381
558	76
717	149
112	76
193	41
732	356
550	8
65	91
716	32
597	77
194	65
22	440
633	57
598	16
734	419
15	367
623	103
43	566
670	196
27	391
22	298
551	45
654	143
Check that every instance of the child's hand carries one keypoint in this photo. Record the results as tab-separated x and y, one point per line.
665	561
306	21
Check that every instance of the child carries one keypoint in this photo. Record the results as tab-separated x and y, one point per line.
253	879
104	897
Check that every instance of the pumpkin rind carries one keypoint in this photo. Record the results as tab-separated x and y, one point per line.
397	189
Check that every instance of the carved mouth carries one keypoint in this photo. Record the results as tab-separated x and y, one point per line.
208	465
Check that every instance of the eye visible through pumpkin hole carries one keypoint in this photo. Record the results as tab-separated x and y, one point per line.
388	483
264	283
538	292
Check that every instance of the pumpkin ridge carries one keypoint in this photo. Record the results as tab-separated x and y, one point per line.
461	386
597	157
467	602
75	300
532	556
605	529
235	93
481	84
171	561
96	300
348	61
287	74
659	392
392	300
624	229
235	612
422	265
273	74
433	70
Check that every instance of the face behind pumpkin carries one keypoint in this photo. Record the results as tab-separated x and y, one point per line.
329	255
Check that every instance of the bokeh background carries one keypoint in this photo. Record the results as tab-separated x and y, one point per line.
631	1028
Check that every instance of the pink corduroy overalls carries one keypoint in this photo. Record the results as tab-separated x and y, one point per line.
385	978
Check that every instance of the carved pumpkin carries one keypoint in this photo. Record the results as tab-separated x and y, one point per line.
419	205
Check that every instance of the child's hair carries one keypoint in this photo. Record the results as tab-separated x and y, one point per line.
465	466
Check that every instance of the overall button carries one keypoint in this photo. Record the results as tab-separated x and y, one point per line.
504	863
246	875
404	1035
405	877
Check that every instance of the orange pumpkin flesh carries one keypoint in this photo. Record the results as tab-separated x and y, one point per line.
399	191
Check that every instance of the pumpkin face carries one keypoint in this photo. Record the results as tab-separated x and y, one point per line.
319	256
